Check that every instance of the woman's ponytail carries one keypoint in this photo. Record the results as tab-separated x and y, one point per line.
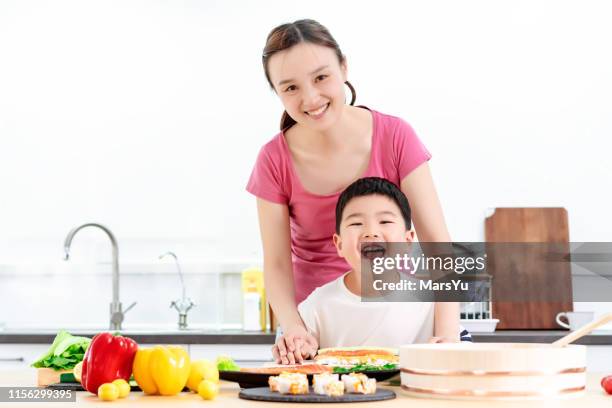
286	121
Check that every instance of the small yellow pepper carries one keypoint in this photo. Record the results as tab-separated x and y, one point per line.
162	370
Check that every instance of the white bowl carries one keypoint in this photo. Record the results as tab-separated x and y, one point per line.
480	325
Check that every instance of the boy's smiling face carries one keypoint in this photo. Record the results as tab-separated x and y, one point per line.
368	222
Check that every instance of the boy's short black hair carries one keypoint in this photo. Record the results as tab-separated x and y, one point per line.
370	186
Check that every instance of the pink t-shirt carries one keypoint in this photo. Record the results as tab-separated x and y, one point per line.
396	151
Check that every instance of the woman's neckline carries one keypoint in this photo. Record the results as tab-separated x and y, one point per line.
293	171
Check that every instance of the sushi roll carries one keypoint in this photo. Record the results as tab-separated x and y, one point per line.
334	388
273	383
327	384
291	383
319	380
356	383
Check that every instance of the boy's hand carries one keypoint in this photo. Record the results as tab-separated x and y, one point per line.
294	346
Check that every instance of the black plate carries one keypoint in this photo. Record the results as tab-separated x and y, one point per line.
264	394
251	380
78	387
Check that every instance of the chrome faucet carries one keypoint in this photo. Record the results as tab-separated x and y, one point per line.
184	304
116	315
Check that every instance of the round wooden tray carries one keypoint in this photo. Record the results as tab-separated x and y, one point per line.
492	370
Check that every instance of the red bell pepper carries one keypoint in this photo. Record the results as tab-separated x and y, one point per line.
108	358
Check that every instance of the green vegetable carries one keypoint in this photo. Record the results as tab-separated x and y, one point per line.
225	363
65	352
364	367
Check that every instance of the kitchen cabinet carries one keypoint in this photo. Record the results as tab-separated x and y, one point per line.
20	355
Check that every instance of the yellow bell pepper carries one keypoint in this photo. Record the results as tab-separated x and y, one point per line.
162	370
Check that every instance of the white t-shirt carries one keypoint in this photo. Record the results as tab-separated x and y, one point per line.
338	318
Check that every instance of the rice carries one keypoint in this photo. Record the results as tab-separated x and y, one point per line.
289	383
356	383
327	384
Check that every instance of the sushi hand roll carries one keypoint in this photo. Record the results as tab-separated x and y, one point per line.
356	383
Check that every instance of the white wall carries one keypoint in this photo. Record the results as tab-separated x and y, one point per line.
147	116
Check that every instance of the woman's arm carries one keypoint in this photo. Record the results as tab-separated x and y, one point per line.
278	270
278	281
430	226
425	206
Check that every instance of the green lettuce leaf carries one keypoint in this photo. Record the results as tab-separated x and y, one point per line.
225	363
364	367
65	352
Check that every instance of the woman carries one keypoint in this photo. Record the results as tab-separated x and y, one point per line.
324	145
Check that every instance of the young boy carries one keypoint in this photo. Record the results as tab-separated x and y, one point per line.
370	210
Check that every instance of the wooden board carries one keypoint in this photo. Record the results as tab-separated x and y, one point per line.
46	376
552	281
264	394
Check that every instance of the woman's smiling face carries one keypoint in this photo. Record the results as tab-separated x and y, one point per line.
309	80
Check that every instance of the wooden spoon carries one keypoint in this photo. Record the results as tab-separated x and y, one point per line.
583	331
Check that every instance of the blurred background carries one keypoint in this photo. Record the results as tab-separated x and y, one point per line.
147	117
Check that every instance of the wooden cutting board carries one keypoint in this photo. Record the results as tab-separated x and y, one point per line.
516	277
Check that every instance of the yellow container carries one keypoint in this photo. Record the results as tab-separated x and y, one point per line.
254	295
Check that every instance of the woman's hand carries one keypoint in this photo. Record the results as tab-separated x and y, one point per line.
294	346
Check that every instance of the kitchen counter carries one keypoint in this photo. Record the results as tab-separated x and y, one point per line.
593	397
601	338
32	336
